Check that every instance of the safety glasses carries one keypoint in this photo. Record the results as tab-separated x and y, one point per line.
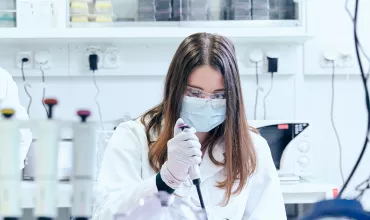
198	93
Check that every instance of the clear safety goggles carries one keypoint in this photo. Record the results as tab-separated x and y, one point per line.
198	93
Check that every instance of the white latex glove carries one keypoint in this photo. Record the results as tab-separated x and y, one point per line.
183	151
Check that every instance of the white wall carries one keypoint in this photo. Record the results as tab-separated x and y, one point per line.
302	93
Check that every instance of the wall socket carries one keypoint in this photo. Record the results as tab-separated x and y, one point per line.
26	65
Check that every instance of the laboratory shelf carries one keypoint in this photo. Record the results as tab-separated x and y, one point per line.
245	31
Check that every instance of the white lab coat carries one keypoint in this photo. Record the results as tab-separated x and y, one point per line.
9	98
126	176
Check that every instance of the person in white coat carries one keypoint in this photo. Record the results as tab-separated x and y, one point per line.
148	155
9	98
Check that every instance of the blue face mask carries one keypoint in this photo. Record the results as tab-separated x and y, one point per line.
203	114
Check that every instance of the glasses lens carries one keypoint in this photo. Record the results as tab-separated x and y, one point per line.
197	93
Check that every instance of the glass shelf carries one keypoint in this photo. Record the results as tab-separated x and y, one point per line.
120	13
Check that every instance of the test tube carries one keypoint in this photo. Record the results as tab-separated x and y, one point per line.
84	146
10	174
46	175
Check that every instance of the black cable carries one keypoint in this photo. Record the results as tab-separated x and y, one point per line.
332	121
24	60
362	188
43	90
367	100
257	92
97	102
359	43
267	94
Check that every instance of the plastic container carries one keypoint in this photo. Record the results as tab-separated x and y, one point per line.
7	19
7	4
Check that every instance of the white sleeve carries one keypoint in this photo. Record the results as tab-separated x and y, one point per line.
119	184
11	100
265	199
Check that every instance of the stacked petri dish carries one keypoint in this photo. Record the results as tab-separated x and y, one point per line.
198	10
216	10
261	9
146	10
180	10
240	10
103	11
163	10
286	10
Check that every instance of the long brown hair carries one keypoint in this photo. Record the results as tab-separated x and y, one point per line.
218	52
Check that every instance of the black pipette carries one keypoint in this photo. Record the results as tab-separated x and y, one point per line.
196	179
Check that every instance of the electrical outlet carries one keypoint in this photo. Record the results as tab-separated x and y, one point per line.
326	63
254	58
345	60
26	65
111	60
94	50
43	59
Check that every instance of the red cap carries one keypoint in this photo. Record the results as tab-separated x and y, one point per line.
83	113
50	101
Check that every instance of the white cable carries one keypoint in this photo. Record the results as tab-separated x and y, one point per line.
257	93
25	87
97	102
267	94
43	90
333	124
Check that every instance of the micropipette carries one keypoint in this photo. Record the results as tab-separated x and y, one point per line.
83	167
10	174
195	174
46	177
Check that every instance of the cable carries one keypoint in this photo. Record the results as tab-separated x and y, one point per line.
96	100
362	188
26	85
257	92
359	43
267	94
43	89
364	81
332	121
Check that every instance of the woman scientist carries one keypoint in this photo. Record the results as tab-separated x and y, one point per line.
151	154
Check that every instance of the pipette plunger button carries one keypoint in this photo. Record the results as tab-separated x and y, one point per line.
7	112
84	114
50	103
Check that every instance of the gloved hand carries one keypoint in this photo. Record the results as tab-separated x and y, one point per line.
183	151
